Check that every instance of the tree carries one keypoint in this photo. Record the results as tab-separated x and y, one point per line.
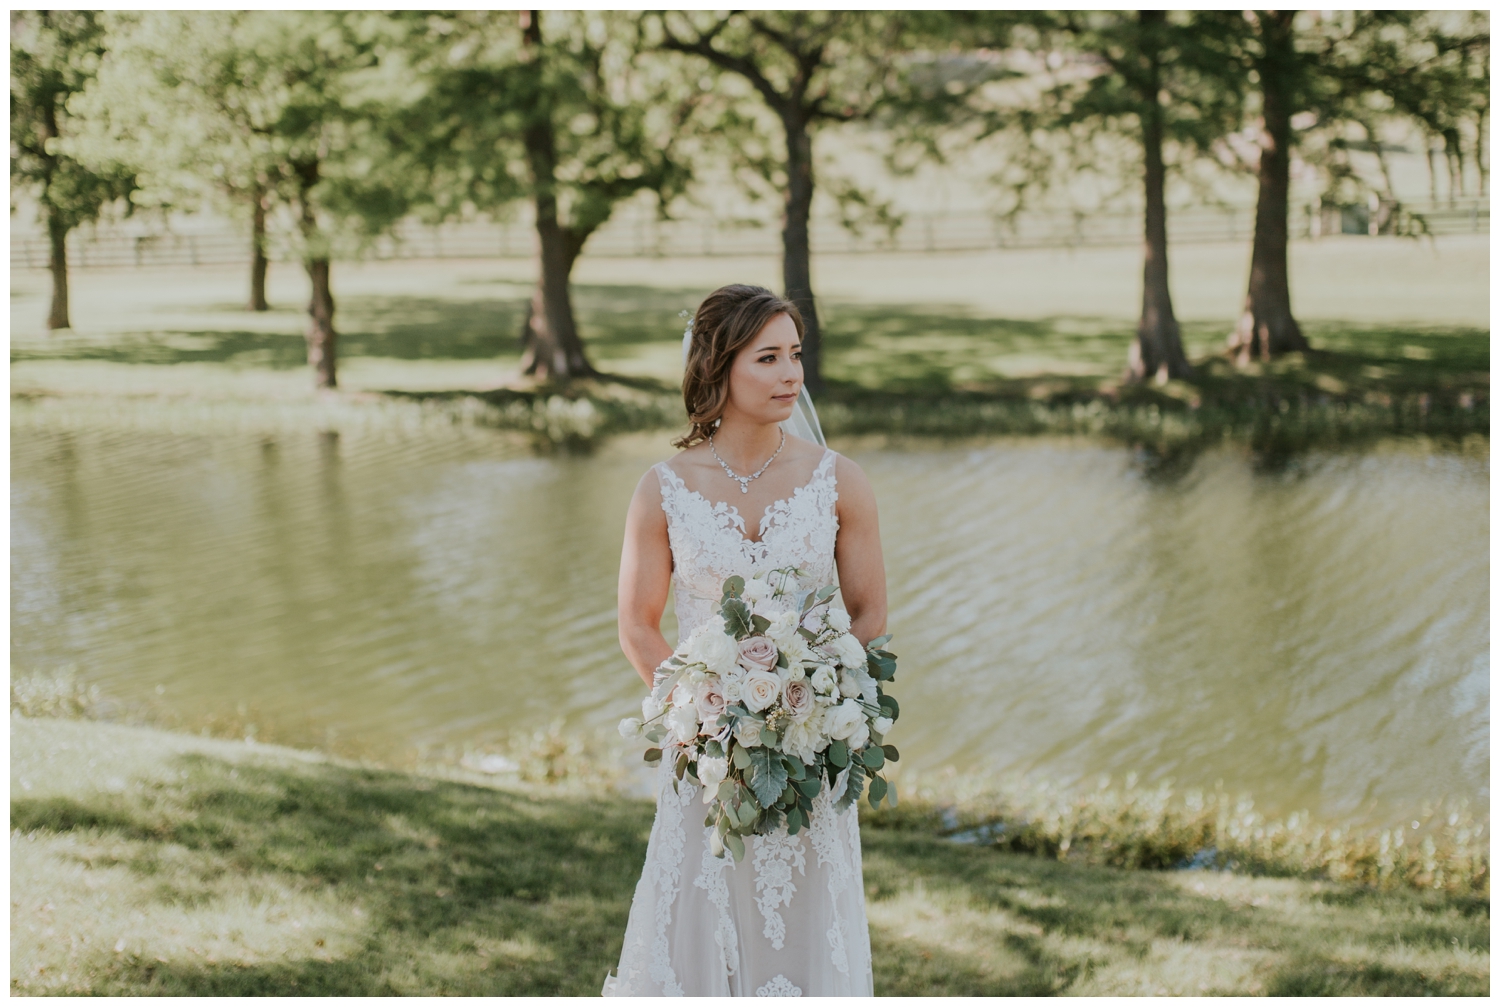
172	98
811	69
557	107
1323	69
53	56
1154	80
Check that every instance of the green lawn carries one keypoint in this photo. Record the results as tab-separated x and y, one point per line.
144	862
945	345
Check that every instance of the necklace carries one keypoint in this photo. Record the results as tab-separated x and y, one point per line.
744	481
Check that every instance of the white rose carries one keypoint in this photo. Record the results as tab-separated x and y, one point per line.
712	647
760	690
861	735
795	673
843	720
847	685
711	772
783	625
882	725
731	688
630	728
823	680
682	722
651	708
756	591
838	620
747	734
850	652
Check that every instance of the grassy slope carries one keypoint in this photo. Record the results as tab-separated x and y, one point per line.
147	862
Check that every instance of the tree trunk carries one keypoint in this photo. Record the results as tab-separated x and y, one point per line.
796	249
57	233
1454	150
322	340
1157	350
1266	327
1482	154
258	260
555	352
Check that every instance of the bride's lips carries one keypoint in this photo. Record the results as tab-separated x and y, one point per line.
789	397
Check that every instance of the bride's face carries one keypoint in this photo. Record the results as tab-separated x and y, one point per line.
767	374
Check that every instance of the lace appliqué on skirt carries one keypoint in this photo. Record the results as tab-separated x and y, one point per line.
781	986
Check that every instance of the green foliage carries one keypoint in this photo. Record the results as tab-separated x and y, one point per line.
54	57
582	115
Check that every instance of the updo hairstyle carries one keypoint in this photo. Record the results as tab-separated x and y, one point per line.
727	319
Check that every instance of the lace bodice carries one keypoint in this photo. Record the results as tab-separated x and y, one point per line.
709	544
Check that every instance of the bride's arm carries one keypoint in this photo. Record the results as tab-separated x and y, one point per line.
857	553
645	578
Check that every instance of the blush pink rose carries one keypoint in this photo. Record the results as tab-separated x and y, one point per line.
757	654
798	697
710	703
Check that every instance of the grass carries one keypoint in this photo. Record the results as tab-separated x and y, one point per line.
433	344
145	862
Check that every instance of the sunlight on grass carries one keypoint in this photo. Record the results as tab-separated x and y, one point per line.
148	862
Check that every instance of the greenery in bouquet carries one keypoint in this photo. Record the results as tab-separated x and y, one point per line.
768	703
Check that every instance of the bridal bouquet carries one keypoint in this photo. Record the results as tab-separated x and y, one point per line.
762	709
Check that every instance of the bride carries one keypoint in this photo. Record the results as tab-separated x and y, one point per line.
788	919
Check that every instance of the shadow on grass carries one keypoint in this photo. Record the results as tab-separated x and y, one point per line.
1065	926
439	869
445	873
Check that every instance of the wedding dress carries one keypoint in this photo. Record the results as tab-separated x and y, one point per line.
788	919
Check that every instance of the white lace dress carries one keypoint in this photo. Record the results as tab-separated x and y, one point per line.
789	919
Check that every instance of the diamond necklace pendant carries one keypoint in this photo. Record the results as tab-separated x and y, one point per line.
744	481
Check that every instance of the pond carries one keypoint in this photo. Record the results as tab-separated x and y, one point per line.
1316	635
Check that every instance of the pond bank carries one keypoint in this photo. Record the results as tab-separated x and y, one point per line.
149	862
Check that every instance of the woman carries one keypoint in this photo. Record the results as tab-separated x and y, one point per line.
789	919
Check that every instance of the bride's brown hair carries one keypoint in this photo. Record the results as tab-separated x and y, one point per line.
727	319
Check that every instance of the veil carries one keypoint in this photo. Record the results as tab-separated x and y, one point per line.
804	419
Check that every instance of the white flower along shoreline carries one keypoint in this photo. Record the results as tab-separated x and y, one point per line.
763	709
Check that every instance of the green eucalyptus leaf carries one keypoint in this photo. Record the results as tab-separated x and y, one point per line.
734	586
838	754
735	845
873	757
890	799
891	752
879	641
810	787
741	757
794	821
877	791
768	737
759	623
653	755
891	707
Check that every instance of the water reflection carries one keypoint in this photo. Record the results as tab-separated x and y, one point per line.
1317	634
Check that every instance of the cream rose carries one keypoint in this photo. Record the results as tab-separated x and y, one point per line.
747	734
861	736
799	699
838	620
760	690
823	680
847	685
882	725
756	653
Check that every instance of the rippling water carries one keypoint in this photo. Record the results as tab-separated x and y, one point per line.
1318	636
